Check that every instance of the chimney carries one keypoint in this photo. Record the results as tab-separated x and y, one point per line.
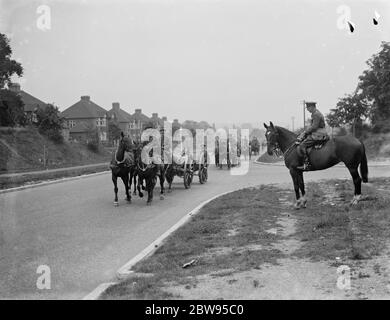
14	87
154	115
85	98
138	111
115	106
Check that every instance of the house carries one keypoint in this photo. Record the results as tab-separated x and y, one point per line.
176	125
85	116
121	117
138	123
157	122
31	103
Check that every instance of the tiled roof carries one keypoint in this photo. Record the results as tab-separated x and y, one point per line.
139	116
121	115
31	103
80	128
157	120
85	108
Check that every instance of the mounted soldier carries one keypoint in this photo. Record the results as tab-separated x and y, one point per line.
312	136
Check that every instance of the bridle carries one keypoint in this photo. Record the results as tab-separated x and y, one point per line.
277	150
116	154
139	160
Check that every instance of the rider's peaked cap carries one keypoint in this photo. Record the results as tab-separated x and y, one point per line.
310	104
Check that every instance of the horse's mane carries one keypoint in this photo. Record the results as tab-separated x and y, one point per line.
285	131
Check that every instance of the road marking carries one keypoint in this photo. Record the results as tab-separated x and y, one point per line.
98	291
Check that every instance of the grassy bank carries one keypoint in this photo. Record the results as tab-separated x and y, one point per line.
252	245
378	146
23	149
33	178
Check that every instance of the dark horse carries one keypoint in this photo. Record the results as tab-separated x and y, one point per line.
346	149
149	173
120	166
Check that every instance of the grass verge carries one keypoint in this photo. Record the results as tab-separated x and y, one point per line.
22	180
235	236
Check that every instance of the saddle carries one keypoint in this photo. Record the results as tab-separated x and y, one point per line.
320	143
317	145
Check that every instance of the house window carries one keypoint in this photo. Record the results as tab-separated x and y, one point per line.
71	123
135	125
101	122
103	136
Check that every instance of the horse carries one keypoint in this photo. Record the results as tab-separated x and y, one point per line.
222	153
120	167
254	146
346	149
149	172
134	172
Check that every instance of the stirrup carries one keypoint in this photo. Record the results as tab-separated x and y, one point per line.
305	167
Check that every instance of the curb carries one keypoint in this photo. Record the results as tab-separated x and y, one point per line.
125	270
94	295
269	163
45	183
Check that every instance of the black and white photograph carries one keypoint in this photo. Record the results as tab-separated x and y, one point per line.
183	151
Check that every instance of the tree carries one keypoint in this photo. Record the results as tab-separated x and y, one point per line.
93	140
350	110
11	109
8	67
11	106
50	122
114	132
374	85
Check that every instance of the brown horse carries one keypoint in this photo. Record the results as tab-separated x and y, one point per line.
346	149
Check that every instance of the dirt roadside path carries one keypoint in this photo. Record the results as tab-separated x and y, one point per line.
328	251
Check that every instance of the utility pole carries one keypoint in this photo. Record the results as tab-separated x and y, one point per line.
292	120
44	156
304	115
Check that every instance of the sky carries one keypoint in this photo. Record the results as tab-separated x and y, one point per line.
223	61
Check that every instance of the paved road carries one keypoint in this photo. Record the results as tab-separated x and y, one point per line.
74	229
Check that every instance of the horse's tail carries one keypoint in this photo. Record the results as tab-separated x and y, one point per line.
364	166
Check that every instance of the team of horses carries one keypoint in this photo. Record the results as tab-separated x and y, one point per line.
128	164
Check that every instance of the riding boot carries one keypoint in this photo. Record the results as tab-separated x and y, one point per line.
306	162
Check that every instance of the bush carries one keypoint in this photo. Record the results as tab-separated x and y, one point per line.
93	146
50	123
93	141
55	136
381	126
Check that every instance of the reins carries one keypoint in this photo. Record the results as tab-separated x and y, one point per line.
289	149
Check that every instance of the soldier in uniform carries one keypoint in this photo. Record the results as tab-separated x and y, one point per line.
316	132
